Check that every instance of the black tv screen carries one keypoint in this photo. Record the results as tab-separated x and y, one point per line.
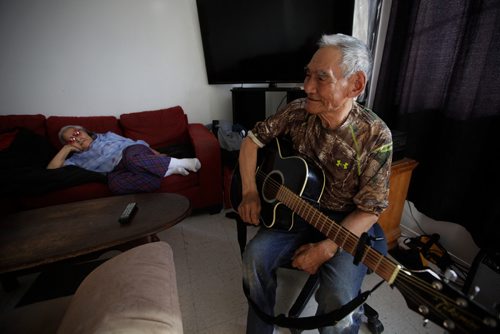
266	41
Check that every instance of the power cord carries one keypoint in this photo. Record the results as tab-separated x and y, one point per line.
415	219
281	102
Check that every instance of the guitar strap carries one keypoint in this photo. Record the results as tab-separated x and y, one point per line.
312	322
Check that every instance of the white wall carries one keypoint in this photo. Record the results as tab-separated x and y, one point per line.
105	57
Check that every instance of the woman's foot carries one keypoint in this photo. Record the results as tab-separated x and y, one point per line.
190	164
183	166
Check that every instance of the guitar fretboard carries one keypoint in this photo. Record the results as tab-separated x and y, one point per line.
377	262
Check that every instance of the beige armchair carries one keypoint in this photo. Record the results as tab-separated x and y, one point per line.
134	292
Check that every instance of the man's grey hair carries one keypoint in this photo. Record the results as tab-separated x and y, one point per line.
64	128
355	54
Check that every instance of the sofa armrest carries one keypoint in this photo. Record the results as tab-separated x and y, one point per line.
207	150
134	292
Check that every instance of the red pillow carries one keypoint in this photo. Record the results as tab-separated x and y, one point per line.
35	123
6	139
158	128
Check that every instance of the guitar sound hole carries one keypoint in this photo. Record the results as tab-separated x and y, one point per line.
271	185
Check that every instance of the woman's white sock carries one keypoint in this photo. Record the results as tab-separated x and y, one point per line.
191	164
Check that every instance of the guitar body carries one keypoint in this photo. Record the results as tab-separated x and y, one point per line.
280	166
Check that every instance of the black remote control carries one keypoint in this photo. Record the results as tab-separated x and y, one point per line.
128	213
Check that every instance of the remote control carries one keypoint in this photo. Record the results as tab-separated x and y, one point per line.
128	213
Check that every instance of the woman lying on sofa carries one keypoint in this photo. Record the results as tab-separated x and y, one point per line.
131	166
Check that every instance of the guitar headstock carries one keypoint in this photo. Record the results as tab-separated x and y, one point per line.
427	294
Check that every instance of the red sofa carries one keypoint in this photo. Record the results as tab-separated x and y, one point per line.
160	128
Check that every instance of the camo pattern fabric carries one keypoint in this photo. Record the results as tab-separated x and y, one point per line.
356	157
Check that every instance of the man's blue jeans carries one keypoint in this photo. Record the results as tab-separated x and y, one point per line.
340	280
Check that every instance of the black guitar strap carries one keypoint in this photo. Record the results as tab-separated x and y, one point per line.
312	322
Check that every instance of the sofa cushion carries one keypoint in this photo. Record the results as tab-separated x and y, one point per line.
179	151
81	192
134	292
23	168
176	183
27	149
97	124
35	123
159	128
41	181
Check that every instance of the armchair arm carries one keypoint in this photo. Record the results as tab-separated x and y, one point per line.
207	150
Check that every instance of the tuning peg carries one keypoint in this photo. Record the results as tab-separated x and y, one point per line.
450	275
449	324
474	292
426	321
490	322
423	309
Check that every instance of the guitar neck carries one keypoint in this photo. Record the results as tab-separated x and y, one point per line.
377	262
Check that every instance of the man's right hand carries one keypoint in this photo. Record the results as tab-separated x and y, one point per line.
249	209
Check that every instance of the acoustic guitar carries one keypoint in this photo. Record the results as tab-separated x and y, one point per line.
290	186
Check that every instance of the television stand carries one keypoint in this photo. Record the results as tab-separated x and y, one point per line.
249	103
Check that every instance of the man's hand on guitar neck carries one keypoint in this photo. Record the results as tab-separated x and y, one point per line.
310	257
249	209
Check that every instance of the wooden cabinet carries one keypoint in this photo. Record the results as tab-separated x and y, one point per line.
390	219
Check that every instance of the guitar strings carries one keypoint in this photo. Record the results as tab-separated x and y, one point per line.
350	241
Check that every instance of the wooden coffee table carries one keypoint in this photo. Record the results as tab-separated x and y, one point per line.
33	238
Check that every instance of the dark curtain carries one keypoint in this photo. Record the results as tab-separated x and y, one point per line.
440	83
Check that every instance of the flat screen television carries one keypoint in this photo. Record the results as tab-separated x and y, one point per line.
266	41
